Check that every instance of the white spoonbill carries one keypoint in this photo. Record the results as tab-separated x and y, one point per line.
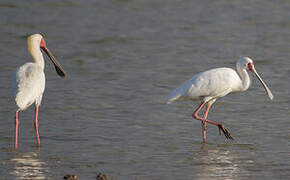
29	81
209	85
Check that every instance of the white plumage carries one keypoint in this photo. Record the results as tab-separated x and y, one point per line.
209	85
29	80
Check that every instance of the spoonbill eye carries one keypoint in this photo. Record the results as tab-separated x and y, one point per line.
250	66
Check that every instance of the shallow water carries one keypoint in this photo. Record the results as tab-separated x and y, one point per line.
123	57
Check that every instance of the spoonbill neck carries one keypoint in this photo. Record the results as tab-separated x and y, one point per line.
35	52
245	78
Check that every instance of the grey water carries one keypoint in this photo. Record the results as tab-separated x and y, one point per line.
123	57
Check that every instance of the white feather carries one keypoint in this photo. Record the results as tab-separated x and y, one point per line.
208	84
29	84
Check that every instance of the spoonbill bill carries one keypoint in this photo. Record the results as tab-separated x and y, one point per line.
209	85
29	80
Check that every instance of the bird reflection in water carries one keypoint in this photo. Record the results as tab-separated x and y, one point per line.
29	166
213	162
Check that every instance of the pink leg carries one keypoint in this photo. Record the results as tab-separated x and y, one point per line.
16	129
195	115
36	126
204	123
204	120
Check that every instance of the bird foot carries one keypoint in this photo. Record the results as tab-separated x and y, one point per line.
225	131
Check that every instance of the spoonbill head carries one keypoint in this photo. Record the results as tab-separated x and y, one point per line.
34	43
209	85
247	63
29	80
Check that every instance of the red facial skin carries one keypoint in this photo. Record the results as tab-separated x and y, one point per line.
42	43
251	66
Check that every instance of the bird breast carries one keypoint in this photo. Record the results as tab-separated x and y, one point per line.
29	84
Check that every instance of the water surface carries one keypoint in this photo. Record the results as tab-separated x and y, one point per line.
123	57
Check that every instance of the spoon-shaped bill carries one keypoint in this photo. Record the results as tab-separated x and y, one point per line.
57	66
264	84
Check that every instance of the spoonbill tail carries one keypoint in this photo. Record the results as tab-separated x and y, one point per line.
209	85
29	81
